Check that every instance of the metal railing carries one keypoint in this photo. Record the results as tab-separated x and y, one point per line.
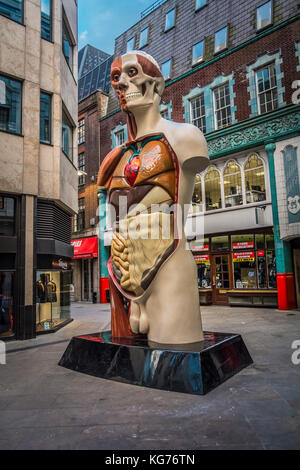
152	8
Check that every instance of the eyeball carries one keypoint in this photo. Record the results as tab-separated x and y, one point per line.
132	72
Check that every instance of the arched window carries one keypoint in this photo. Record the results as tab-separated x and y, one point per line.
212	189
197	194
255	180
233	185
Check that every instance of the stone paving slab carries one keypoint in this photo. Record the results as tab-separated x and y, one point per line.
44	406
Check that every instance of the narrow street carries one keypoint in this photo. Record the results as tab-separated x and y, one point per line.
44	406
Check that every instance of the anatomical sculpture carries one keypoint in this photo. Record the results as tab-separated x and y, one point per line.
153	276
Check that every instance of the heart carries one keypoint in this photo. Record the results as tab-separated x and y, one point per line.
131	170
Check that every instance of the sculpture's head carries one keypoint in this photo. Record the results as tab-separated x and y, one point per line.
137	80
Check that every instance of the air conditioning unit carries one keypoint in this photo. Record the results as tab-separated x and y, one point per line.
92	221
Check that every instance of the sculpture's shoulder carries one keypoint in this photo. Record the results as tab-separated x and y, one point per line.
187	141
108	166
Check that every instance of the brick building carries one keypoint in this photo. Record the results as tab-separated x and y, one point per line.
231	69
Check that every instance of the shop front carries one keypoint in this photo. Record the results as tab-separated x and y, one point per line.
237	269
85	263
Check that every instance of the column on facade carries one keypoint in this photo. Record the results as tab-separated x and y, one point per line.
284	263
102	250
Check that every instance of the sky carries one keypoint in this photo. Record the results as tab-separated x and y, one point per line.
101	21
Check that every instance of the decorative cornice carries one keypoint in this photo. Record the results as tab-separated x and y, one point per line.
260	130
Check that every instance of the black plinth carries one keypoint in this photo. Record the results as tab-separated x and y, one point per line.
191	368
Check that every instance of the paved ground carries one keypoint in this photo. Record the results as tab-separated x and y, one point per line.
43	406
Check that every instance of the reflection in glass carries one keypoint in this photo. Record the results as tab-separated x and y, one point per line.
130	45
67	45
204	275
255	180
261	270
219	243
198	117
170	19
212	189
198	51
233	185
45	118
67	136
7	216
144	37
272	272
221	39
10	105
200	4
245	274
6	304
197	195
263	15
12	9
46	19
267	88
166	69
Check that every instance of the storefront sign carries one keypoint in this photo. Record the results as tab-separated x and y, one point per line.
261	253
242	245
61	264
243	256
200	247
201	259
85	248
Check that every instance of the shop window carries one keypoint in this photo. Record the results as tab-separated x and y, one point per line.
222	106
81	168
81	214
81	131
166	69
197	195
198	52
233	185
7	216
272	272
144	37
212	189
267	88
12	10
204	271
270	242
255	180
6	304
261	269
46	19
67	45
130	45
242	242
10	105
67	136
220	243
260	241
53	306
170	19
221	40
45	118
200	4
244	270
264	15
198	117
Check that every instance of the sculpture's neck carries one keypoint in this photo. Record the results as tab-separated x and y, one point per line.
143	121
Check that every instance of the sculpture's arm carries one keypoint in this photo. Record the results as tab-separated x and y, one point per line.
108	166
191	147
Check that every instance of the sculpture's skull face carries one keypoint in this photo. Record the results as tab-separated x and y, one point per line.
136	80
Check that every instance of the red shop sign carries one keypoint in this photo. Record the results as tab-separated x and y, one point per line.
242	245
201	259
260	253
200	248
243	256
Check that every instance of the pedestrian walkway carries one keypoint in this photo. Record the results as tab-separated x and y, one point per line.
44	406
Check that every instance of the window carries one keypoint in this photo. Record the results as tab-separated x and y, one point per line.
130	45
67	45
170	19
264	15
81	131
45	118
81	214
7	309
12	9
233	185
67	136
198	50
165	113
46	19
120	137
221	39
197	195
203	268
7	216
255	180
219	243
81	168
267	88
198	112
10	105
166	69
200	4
144	37
222	106
212	189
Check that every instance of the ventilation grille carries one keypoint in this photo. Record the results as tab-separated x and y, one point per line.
53	222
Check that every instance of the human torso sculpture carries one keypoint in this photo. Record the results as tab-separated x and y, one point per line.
150	265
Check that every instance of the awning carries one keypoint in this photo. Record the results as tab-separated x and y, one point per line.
85	248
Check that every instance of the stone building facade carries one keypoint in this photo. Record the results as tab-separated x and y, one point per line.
231	69
38	180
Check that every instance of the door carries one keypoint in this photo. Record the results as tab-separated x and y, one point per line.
221	278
